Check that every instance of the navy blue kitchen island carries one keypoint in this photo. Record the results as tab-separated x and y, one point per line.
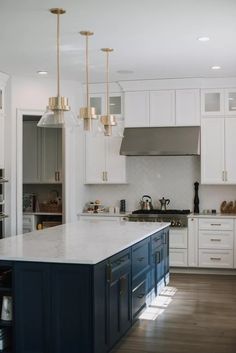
75	291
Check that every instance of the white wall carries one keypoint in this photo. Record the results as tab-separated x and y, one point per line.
32	94
171	177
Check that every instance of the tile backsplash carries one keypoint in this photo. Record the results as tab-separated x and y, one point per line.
171	177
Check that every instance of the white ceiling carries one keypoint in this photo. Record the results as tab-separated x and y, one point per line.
152	38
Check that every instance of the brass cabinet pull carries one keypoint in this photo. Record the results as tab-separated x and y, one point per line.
106	179
215	239
215	224
140	296
216	258
122	284
103	176
223	175
226	175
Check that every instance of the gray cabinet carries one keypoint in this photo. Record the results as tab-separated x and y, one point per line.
42	154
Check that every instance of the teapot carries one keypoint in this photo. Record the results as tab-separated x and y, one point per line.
146	203
164	202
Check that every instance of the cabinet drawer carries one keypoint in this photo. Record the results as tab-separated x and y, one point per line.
215	224
179	238
178	257
216	258
140	257
156	240
209	239
116	265
138	298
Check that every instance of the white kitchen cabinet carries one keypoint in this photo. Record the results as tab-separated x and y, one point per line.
51	149
98	101
136	112
212	151
212	102
29	223
42	154
187	107
31	152
162	108
230	160
178	247
192	242
230	102
103	162
216	243
2	138
178	258
218	165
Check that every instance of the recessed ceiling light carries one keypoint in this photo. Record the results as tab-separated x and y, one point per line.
42	72
216	67
203	39
125	72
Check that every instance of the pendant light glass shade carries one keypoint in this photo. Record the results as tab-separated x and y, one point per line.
87	114
108	121
58	114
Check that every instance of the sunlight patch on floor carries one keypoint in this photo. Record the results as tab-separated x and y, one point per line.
158	304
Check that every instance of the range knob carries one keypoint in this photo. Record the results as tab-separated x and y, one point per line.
173	223
179	224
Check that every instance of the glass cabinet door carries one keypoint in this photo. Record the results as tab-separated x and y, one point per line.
98	101
212	102
230	102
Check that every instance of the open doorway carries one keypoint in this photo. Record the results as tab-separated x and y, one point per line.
39	175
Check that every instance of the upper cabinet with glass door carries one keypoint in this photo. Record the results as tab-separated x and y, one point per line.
212	102
98	101
230	101
218	102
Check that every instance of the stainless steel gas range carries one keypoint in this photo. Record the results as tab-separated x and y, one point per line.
177	218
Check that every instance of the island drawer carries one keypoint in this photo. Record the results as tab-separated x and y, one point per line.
140	257
157	240
209	239
216	224
138	298
116	265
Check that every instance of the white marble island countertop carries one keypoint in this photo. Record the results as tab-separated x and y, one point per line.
83	242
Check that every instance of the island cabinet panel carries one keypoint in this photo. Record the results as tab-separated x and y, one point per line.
32	307
71	326
119	301
52	308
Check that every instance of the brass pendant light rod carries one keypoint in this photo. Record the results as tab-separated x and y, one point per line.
107	51
87	34
58	12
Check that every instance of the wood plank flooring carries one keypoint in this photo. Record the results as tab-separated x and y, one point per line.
196	314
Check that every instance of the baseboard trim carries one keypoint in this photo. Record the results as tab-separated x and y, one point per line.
206	271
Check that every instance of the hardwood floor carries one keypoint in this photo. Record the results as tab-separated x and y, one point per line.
195	314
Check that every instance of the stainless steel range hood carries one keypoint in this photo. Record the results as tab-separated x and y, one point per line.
161	141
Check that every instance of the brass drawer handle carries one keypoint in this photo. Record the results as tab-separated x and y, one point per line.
215	224
140	296
215	239
216	258
109	273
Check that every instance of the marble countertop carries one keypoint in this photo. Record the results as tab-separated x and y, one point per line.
82	242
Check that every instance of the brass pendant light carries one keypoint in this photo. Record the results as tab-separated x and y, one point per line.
58	112
108	120
87	113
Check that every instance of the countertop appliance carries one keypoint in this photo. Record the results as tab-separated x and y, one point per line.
177	218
